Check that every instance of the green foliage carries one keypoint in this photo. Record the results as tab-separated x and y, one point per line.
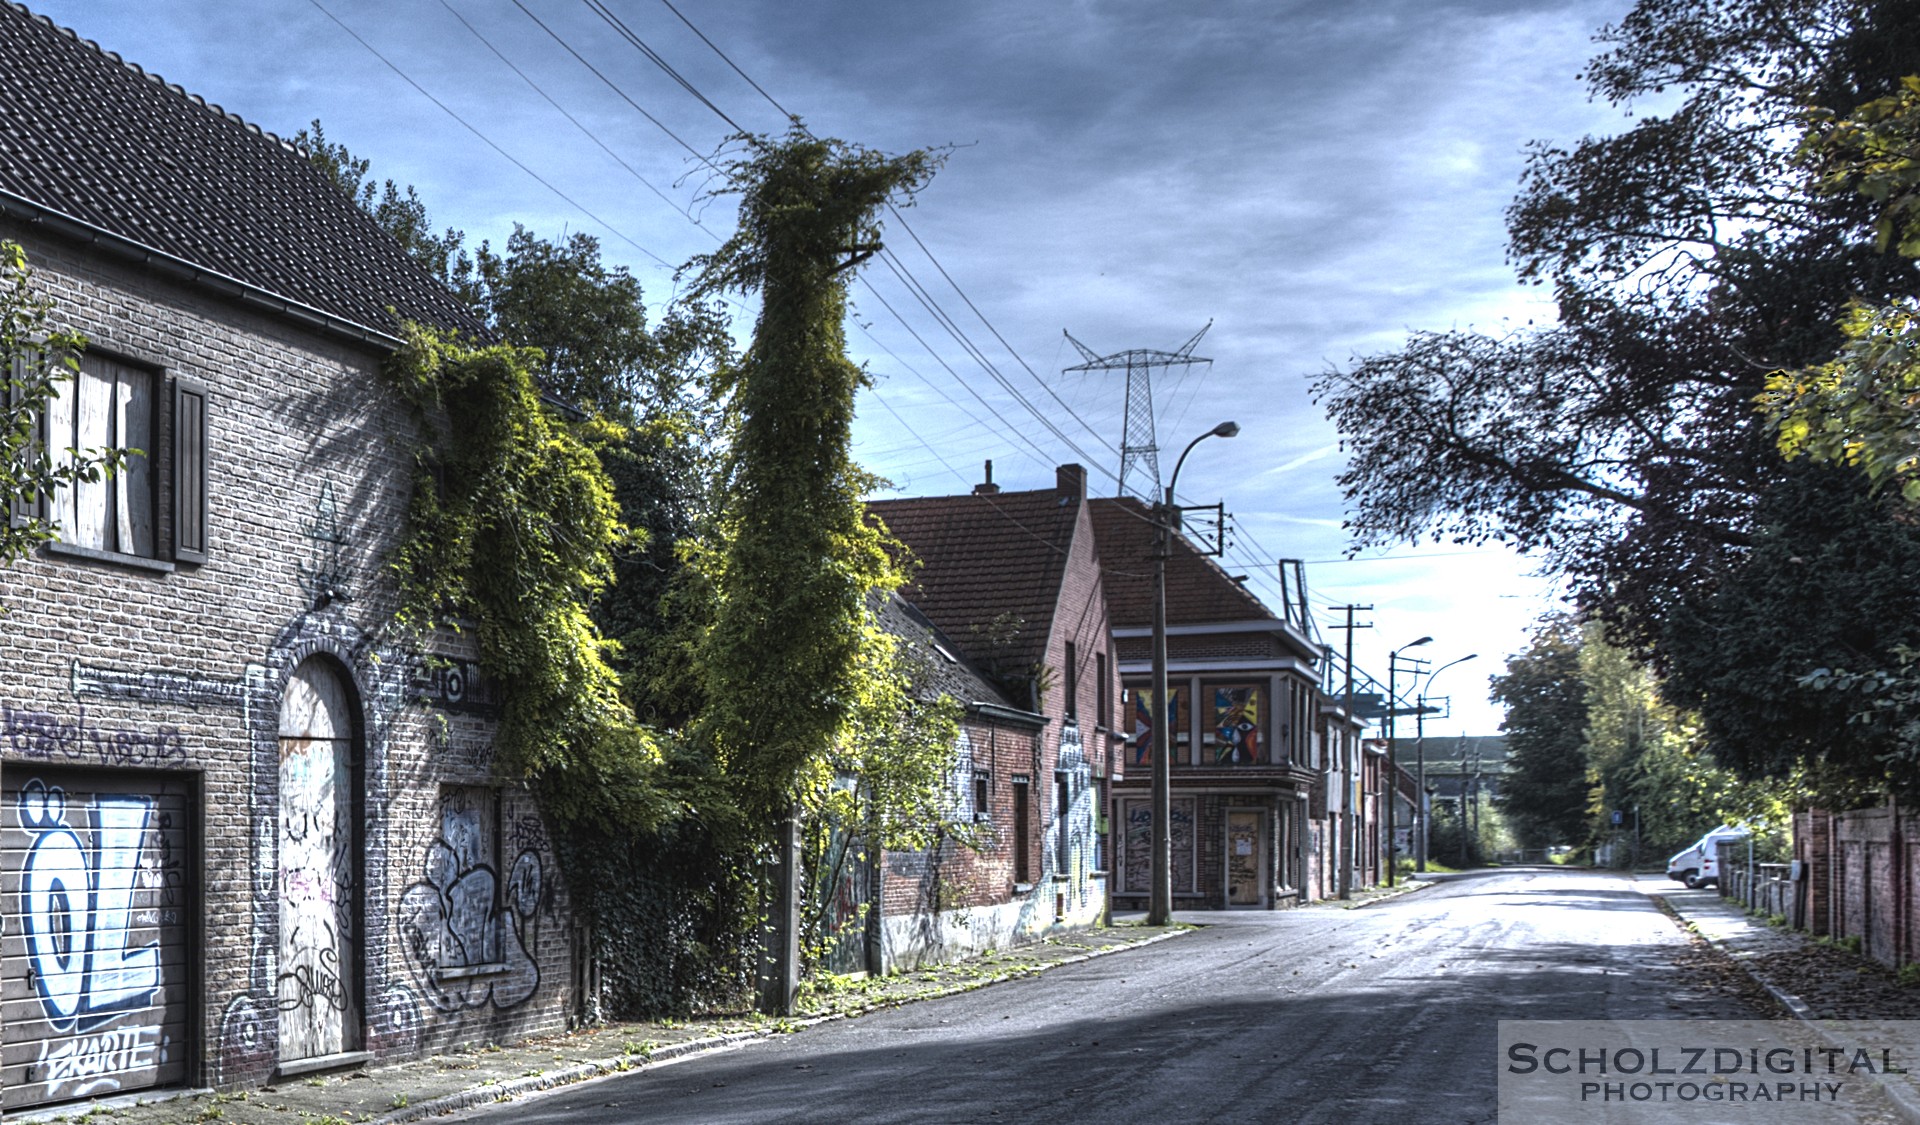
1828	584
1544	793
1859	407
513	527
1644	758
1875	151
796	558
35	358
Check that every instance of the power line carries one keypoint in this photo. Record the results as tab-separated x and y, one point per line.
611	85
488	141
728	61
654	56
920	291
590	135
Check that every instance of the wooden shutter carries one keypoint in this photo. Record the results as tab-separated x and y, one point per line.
189	472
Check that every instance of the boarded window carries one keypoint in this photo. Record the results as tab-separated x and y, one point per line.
97	910
1136	853
108	405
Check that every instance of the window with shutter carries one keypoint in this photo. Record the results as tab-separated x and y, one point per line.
189	472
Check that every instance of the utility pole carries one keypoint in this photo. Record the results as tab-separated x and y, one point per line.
1348	836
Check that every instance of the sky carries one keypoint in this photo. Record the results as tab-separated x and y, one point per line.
1314	178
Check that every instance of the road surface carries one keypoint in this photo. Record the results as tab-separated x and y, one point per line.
1381	1014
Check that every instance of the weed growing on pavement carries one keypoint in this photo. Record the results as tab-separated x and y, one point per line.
399	1101
1909	974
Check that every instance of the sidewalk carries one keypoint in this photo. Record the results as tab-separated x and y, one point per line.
1808	978
429	1087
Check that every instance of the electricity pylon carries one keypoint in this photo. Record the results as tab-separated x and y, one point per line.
1138	446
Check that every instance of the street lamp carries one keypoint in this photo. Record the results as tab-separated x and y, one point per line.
1392	783
1160	904
1420	756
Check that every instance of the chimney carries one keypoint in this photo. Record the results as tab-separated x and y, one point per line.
1071	482
986	487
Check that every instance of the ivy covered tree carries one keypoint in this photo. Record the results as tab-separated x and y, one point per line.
797	560
36	356
1688	256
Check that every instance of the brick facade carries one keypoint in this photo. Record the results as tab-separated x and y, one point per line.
116	673
1036	740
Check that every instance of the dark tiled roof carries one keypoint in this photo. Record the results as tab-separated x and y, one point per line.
984	559
1198	591
101	142
944	666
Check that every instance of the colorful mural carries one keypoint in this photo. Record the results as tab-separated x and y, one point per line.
1236	726
1143	724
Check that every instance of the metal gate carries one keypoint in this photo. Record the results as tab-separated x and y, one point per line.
94	965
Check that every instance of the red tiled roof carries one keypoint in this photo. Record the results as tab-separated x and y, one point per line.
1198	591
101	142
986	559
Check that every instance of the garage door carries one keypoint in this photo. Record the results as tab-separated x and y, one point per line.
94	961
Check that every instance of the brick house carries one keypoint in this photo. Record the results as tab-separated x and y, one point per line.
244	833
956	898
1247	767
1010	584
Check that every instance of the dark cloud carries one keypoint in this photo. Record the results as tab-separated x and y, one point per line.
1316	176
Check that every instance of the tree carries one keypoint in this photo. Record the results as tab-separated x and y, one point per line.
1544	792
1688	256
36	356
797	557
1859	408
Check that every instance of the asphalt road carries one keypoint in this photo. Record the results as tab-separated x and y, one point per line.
1383	1014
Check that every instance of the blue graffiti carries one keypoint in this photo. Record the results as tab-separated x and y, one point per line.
76	900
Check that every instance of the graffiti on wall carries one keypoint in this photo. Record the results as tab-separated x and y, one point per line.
76	905
44	736
311	989
468	935
96	875
156	685
1138	846
454	685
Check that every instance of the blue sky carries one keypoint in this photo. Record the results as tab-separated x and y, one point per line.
1316	178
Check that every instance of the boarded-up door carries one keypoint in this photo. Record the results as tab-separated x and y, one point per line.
317	990
94	963
1244	859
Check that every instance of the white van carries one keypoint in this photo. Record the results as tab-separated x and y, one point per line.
1698	866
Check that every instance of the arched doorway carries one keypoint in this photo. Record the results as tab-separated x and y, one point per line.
317	987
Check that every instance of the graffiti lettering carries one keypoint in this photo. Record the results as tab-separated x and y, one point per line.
44	736
99	1061
455	685
75	906
157	686
466	938
308	983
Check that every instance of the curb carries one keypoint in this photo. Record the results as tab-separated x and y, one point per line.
589	1071
1400	891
